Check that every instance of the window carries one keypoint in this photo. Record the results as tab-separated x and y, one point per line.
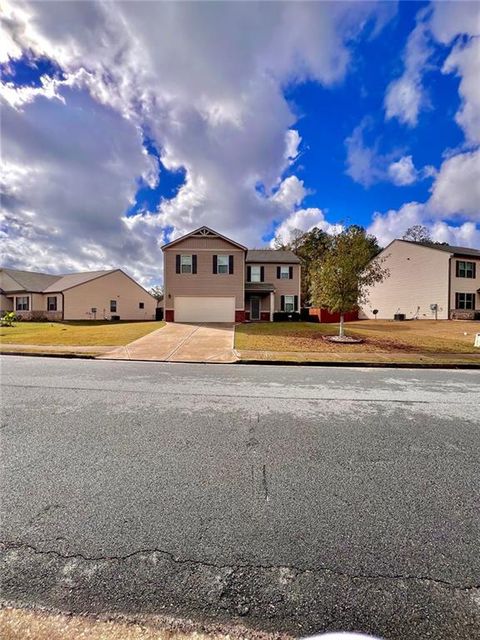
113	306
52	303
22	303
141	305
222	264
186	264
255	274
284	273
289	303
465	269
465	301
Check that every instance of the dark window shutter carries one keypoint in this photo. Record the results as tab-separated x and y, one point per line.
262	274
215	270
177	263
278	273
474	270
194	263
249	274
230	264
458	268
290	273
282	303
295	307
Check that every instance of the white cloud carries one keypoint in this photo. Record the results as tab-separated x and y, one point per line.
455	194
406	96
456	190
304	220
365	164
291	193
205	80
465	61
403	172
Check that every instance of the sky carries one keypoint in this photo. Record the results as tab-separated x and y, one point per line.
128	124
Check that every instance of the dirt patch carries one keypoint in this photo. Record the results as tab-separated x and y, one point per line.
20	624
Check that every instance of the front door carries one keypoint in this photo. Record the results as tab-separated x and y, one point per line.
255	308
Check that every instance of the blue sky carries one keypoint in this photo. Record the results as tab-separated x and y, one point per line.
255	119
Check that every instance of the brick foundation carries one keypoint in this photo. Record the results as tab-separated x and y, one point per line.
169	315
265	316
240	316
462	314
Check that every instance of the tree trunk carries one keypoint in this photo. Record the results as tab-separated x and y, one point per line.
341	331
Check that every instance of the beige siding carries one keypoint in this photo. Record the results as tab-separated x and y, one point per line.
418	278
282	287
6	304
98	293
204	282
464	285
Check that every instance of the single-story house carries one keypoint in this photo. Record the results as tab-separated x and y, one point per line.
211	278
93	295
426	281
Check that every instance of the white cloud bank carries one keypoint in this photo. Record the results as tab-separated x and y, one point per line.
204	80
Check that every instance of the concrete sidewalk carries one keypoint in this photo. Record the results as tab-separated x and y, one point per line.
177	342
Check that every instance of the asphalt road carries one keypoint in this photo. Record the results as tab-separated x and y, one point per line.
296	499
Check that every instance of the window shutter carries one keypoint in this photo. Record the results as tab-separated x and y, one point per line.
474	270
262	274
230	264
290	273
215	270
278	273
194	263
249	274
458	268
295	306
282	303
177	263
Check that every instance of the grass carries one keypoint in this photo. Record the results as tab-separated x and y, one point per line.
412	336
81	333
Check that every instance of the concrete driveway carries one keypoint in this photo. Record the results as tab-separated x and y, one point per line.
177	342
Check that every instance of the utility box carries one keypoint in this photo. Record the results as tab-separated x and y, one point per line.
477	340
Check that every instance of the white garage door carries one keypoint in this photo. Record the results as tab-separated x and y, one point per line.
190	309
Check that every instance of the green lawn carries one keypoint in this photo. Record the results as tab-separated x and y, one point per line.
81	333
412	336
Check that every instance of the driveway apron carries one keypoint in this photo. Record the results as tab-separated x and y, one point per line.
181	343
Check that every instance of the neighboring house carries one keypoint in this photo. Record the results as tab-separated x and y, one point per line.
427	281
94	295
210	278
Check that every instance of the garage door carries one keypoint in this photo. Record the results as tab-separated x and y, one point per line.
191	309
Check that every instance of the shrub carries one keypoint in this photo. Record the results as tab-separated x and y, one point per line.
8	319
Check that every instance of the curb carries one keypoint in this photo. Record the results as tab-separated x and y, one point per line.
372	365
30	354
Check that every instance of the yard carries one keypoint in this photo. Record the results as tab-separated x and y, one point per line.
411	336
79	333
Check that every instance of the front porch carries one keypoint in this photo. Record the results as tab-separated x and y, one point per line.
259	301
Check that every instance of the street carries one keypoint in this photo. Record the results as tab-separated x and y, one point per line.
295	499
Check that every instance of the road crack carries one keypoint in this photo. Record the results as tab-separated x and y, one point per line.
10	546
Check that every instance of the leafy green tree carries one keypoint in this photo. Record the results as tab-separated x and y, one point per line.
341	277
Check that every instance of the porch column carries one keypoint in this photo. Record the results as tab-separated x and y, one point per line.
272	305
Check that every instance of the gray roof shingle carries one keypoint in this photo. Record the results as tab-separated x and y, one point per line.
35	282
276	256
460	251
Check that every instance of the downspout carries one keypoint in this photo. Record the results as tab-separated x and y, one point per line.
63	306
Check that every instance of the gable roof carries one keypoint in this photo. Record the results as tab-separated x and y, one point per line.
70	280
278	256
205	232
448	248
29	280
35	282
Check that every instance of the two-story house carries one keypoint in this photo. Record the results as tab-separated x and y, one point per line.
427	281
211	278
